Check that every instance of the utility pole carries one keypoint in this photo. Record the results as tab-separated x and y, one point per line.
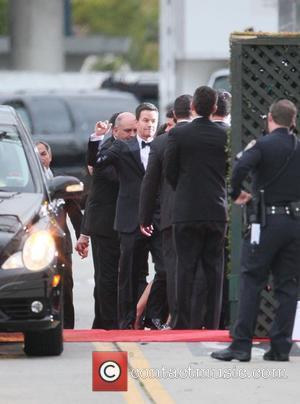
166	54
37	35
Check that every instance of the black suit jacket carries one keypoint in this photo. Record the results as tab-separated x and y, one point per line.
100	207
155	185
196	169
125	156
222	124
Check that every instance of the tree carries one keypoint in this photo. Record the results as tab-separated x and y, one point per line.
137	19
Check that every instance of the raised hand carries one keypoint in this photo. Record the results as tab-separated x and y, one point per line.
102	127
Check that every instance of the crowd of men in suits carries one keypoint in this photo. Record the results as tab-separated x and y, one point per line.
165	195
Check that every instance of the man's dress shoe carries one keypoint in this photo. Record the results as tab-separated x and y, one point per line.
153	323
276	356
165	327
229	354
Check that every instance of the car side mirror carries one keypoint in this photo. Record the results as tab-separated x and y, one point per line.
65	187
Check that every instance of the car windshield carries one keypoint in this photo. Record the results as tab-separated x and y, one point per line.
88	110
50	115
15	175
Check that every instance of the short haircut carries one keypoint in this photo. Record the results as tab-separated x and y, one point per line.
47	146
223	103
283	112
145	106
182	106
113	119
204	100
170	113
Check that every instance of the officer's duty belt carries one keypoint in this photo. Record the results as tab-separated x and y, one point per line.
278	210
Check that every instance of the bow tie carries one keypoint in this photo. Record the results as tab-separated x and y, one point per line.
144	144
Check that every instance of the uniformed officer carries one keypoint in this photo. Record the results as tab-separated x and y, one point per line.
274	240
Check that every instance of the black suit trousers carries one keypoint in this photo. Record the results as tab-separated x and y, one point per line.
278	251
199	243
106	254
69	313
170	260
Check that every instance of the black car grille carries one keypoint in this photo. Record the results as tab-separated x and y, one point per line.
19	309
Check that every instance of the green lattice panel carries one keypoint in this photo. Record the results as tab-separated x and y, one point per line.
264	68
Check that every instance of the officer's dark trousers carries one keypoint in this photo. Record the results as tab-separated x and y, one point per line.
199	243
278	251
134	246
106	254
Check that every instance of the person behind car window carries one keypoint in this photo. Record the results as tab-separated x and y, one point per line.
72	208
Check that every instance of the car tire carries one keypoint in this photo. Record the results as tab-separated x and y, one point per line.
44	343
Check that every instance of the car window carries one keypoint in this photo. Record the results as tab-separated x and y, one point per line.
222	83
15	174
88	110
50	116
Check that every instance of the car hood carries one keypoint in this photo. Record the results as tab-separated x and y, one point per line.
16	211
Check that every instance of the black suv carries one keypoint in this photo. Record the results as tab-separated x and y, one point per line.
65	119
31	241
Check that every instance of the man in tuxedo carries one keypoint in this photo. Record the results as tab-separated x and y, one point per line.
130	159
222	114
154	183
98	223
222	118
72	209
196	169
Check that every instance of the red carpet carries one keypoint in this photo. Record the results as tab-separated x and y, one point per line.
134	336
146	336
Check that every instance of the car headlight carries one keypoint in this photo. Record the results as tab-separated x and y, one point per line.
38	252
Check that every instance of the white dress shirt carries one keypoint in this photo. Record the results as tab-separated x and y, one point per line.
48	173
144	151
95	138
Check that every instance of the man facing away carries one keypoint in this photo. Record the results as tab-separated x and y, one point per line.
196	169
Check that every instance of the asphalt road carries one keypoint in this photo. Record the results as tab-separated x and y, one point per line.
158	372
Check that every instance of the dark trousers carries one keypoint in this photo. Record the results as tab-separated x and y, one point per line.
69	315
106	254
199	243
278	251
170	259
134	248
199	307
